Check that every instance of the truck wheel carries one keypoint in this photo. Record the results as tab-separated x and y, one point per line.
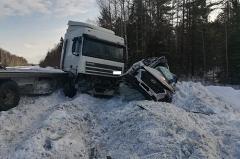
69	89
9	95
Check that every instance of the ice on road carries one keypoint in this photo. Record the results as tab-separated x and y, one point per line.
202	122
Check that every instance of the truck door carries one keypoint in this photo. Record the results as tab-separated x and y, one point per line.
71	54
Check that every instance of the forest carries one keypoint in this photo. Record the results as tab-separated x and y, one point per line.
200	38
53	56
8	59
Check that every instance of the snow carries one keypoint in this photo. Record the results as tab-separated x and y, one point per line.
202	122
228	94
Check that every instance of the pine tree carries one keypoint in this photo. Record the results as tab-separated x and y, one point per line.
234	43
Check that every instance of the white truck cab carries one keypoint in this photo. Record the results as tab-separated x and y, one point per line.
94	55
92	50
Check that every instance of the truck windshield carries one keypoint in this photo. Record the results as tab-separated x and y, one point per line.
165	72
103	50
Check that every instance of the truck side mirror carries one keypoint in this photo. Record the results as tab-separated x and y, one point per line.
76	46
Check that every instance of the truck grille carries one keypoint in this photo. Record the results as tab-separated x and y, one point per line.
101	69
148	79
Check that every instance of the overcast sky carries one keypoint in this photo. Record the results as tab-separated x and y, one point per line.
29	28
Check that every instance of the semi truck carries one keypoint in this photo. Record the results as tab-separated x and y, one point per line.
92	61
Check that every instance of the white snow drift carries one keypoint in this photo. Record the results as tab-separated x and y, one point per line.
202	122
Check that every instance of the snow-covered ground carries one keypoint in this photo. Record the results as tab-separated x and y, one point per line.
202	122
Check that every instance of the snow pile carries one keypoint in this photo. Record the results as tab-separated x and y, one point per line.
153	130
196	98
45	129
228	94
200	123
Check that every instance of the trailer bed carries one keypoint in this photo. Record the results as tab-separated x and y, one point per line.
33	71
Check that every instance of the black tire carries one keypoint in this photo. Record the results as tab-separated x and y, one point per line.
69	89
9	95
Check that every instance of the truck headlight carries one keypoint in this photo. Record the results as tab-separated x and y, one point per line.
117	72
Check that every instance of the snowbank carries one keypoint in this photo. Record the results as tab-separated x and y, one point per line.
228	94
202	122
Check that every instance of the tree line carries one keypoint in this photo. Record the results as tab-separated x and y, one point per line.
8	59
53	56
182	30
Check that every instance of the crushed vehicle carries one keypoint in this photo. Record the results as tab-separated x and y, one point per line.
152	78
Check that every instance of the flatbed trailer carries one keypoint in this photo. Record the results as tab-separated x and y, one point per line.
19	72
17	81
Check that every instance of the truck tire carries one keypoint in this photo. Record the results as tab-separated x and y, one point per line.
9	95
69	89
